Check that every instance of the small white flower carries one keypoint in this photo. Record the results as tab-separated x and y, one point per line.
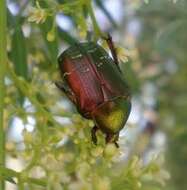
38	15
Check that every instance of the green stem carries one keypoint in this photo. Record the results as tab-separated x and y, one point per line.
97	30
24	87
3	61
11	173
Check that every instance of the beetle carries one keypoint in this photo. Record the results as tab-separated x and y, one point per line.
94	82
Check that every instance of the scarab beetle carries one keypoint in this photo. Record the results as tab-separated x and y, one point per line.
94	83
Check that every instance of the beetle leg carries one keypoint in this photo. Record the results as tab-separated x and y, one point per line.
66	90
112	138
93	133
115	140
112	49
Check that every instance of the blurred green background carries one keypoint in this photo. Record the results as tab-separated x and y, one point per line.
49	140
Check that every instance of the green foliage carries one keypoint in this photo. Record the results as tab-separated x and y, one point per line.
64	156
164	39
60	155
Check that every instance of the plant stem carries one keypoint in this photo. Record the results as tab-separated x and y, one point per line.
3	62
97	30
23	86
11	173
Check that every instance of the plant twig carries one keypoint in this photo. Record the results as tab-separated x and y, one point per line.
96	27
23	86
11	173
3	61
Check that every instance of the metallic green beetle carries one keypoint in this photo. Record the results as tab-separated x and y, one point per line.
95	84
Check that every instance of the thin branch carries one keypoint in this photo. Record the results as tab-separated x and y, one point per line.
3	61
11	173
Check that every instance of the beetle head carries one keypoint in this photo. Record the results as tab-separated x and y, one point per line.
112	115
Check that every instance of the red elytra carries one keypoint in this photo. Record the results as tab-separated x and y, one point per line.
94	83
